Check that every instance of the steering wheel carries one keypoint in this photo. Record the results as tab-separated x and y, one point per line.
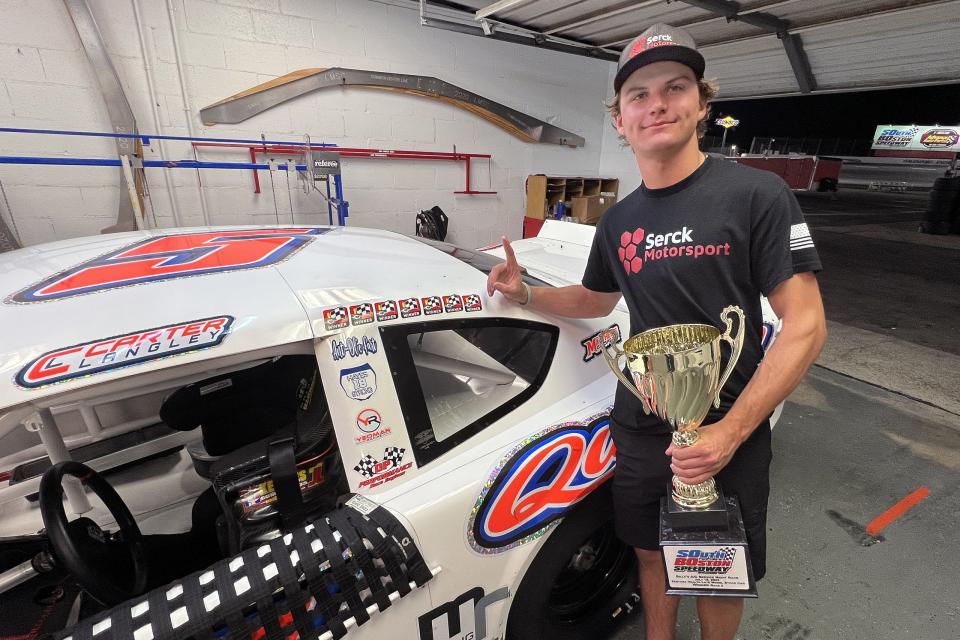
110	567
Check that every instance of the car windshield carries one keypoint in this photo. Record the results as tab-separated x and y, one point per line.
478	259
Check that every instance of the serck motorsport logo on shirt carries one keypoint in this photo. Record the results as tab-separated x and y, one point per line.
639	247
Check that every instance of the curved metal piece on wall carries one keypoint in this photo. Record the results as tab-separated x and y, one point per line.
118	108
258	99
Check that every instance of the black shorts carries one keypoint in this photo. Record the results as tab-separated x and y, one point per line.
643	476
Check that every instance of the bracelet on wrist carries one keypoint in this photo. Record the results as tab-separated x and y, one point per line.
526	288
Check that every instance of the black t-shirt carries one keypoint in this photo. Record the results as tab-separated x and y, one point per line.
722	236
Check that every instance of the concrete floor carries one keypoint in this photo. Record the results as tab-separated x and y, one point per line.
875	420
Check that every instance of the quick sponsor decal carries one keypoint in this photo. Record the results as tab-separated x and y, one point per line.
452	304
361	314
471	302
172	256
432	305
895	137
359	383
370	423
352	347
106	354
638	247
386	310
536	484
593	345
464	618
336	318
939	138
695	560
378	472
409	308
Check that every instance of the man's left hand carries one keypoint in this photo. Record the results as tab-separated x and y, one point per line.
707	457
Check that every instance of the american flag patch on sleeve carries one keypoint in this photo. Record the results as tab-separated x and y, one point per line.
800	237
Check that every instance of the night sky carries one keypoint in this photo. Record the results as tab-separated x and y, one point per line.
845	115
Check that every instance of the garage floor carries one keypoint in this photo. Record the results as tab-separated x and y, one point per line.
875	421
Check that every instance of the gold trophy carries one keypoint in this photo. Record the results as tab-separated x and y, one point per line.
676	375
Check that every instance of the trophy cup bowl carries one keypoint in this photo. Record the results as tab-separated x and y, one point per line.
676	375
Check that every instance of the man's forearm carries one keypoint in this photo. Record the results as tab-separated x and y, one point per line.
574	301
779	373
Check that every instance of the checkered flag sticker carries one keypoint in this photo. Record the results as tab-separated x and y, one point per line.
729	553
409	307
335	318
394	455
367	466
386	310
471	302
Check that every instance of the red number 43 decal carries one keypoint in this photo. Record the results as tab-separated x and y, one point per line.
172	256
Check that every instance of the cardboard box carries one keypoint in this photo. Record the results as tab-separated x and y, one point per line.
588	209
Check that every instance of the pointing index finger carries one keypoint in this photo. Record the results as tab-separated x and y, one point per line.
507	249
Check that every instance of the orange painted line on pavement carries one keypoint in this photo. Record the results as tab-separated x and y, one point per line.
879	523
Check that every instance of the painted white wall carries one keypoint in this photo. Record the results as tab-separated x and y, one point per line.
232	45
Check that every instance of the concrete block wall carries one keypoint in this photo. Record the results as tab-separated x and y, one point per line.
232	45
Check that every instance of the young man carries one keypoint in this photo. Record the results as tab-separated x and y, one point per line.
700	233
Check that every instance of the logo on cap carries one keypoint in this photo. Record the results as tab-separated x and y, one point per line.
651	41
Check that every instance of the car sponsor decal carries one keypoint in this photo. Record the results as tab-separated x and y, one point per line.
409	308
593	345
378	472
464	617
452	304
361	314
370	423
167	257
359	383
432	305
352	347
386	310
106	354
539	481
260	495
336	318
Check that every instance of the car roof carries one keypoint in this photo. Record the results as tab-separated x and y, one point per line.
278	302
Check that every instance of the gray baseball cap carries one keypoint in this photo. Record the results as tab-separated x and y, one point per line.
659	42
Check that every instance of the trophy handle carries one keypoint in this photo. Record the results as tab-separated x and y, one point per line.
736	344
614	363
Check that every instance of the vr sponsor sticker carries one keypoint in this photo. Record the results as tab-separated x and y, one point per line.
335	318
124	350
452	304
369	420
386	310
359	383
593	345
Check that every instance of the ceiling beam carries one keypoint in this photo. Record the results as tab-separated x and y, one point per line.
799	62
497	7
603	15
792	44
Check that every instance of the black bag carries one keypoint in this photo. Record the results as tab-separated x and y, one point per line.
432	224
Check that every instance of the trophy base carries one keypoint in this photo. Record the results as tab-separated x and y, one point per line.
712	516
703	561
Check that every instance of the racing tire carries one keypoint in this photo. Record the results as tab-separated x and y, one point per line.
583	583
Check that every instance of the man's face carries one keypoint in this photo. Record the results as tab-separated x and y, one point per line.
660	108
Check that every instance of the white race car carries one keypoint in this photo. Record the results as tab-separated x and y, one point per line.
302	432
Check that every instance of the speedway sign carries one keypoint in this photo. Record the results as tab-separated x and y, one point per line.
917	138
